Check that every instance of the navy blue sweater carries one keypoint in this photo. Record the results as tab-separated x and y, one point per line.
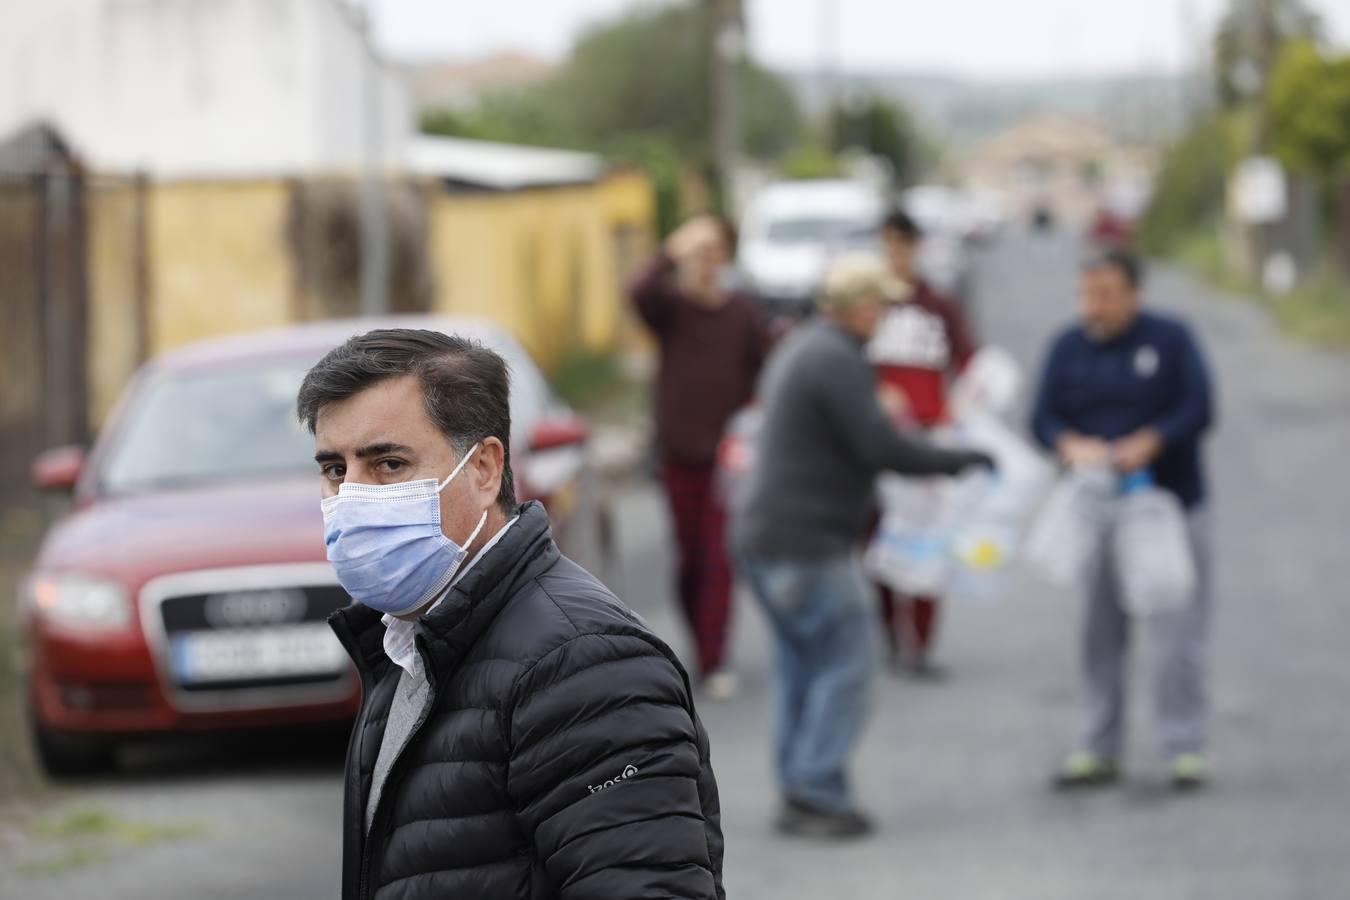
1152	375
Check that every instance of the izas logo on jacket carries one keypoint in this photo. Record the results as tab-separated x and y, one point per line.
628	772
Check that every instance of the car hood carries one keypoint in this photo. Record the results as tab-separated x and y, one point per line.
136	537
794	269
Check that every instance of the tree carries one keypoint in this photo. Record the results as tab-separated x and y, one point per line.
1309	104
1310	110
883	129
1188	195
636	79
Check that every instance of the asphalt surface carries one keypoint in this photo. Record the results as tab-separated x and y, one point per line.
955	772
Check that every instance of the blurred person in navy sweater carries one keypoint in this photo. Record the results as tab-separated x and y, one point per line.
1129	388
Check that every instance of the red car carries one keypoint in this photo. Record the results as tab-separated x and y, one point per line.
188	587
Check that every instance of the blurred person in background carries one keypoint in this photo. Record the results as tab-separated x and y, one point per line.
1129	388
798	531
522	734
712	344
921	344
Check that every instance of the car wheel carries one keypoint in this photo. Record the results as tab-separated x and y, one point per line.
64	755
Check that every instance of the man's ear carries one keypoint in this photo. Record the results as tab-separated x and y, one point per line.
488	466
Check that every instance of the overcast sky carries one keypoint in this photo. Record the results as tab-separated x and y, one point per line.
996	38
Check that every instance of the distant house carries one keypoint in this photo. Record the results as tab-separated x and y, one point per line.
1065	165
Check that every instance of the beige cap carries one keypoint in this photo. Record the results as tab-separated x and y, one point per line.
858	276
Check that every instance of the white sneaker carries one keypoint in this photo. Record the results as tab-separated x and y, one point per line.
721	686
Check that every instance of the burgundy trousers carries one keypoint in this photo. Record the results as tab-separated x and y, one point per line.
704	579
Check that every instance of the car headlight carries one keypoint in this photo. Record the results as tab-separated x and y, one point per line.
80	603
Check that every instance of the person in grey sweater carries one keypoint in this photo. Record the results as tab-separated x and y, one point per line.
799	524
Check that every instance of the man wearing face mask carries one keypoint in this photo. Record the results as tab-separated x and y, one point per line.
824	440
522	734
712	344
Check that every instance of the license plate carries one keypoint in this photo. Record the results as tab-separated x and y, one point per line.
273	652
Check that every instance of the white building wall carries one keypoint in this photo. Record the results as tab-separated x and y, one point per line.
196	87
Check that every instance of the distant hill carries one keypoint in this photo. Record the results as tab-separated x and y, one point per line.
961	111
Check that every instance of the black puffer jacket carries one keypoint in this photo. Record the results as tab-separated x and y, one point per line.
561	757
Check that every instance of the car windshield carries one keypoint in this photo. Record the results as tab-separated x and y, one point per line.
812	230
219	424
238	423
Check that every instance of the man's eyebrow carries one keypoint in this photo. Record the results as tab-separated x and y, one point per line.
381	449
324	456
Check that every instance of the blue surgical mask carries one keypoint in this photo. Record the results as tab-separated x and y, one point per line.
386	544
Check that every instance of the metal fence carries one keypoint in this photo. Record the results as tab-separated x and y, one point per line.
44	303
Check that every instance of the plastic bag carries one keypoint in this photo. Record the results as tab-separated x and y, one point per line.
938	534
989	385
1153	555
1069	534
736	455
909	551
991	510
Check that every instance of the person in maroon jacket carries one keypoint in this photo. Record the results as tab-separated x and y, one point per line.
712	346
921	344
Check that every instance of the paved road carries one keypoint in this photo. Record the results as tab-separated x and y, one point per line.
954	772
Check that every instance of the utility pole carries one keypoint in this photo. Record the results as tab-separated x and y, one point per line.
1265	42
827	12
374	226
727	45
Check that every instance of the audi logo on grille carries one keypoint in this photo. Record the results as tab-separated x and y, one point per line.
240	609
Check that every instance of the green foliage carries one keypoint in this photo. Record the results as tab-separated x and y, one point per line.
639	80
884	129
1310	110
1188	195
811	160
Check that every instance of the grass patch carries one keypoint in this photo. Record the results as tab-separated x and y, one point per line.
597	384
68	861
90	822
87	836
1317	311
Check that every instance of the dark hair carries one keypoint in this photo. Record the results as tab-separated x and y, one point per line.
729	232
1120	259
465	386
903	224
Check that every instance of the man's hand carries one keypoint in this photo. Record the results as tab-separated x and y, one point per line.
1077	450
1136	451
893	401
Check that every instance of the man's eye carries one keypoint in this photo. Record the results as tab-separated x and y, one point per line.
334	472
390	465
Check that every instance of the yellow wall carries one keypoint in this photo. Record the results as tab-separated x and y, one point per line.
219	261
543	263
546	264
114	313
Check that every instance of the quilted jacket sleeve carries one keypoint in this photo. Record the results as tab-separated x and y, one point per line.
605	765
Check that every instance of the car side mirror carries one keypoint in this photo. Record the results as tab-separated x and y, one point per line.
555	433
59	468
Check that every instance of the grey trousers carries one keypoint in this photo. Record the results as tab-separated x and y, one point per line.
1180	638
